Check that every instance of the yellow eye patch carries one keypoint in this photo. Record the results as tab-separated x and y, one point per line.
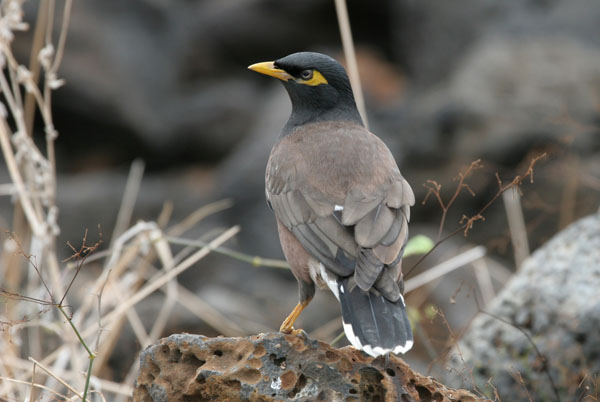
316	79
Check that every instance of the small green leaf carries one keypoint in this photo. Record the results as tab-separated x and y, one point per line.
420	244
430	311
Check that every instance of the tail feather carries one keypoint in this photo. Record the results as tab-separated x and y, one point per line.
372	323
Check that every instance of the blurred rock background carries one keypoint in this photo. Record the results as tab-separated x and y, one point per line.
446	83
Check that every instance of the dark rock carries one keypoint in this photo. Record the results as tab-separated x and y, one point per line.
555	299
277	367
430	38
167	81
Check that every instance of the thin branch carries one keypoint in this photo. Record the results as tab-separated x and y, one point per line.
348	45
466	223
34	64
132	188
516	226
56	377
253	260
62	40
442	269
13	168
80	255
435	188
160	281
34	384
519	378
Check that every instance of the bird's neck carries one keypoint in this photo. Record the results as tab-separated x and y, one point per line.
303	115
319	104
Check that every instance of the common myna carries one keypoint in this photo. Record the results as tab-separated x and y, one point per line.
341	204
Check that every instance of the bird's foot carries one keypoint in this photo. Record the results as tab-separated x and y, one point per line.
286	328
299	332
288	324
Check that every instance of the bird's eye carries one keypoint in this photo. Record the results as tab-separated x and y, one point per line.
306	74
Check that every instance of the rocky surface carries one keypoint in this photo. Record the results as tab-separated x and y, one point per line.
555	298
277	367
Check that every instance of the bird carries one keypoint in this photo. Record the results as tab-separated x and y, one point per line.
341	204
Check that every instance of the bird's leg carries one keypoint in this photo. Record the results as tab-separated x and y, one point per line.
306	291
288	324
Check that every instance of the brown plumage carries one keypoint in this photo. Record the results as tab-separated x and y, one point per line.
341	204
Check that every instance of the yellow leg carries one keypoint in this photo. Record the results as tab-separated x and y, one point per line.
288	324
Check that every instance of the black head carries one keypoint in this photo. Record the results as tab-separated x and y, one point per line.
318	87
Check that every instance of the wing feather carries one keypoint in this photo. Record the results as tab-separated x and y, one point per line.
356	231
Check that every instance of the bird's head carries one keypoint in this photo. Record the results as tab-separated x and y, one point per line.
318	87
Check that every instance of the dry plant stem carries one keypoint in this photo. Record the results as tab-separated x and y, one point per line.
178	229
16	92
130	194
467	222
34	385
109	386
198	215
163	251
80	255
348	45
6	388
31	394
105	349
24	198
484	280
122	264
140	227
91	355
434	188
132	188
516	225
49	21
207	313
337	338
519	378
34	65
172	273
152	287
170	290
569	193
56	377
254	260
445	267
159	282
133	317
62	40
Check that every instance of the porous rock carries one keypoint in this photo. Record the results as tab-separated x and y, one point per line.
277	367
555	299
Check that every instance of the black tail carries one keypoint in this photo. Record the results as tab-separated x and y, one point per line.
372	323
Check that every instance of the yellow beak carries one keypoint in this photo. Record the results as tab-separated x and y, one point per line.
268	68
